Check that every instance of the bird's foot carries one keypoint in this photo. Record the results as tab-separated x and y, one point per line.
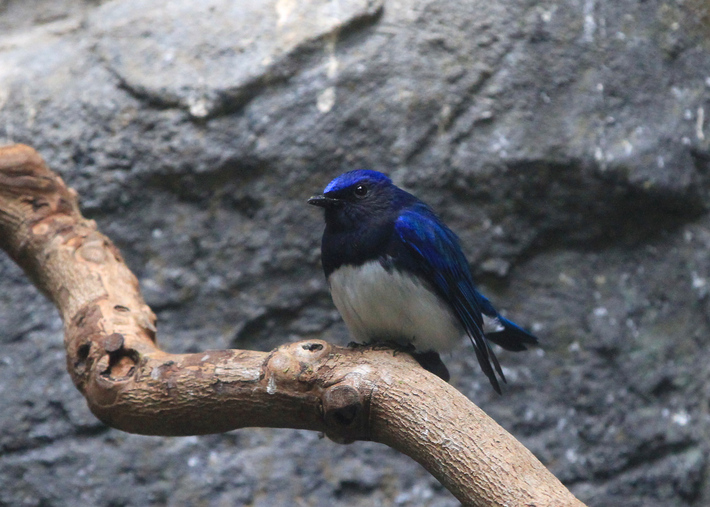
392	345
383	345
431	362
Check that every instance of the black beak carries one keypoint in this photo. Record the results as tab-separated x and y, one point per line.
323	202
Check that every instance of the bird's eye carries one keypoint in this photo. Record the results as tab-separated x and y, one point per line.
361	191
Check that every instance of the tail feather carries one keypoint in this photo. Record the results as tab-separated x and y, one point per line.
512	337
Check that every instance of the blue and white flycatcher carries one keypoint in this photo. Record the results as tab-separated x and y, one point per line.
397	274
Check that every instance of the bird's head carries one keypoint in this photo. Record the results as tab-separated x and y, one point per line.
356	199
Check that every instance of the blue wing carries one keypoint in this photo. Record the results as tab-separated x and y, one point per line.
437	257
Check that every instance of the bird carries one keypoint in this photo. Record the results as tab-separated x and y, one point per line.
397	274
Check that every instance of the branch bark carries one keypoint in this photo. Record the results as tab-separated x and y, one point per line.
349	394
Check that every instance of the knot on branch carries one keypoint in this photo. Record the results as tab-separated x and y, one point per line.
99	361
311	367
345	410
295	365
119	362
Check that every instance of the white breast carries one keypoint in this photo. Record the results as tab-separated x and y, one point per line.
377	304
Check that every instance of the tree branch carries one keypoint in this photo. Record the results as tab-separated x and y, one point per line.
349	394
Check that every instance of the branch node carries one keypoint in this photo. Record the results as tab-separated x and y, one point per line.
345	414
113	342
296	364
121	363
82	354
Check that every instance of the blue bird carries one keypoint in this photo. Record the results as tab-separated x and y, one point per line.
397	274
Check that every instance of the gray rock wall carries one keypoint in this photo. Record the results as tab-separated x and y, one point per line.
567	142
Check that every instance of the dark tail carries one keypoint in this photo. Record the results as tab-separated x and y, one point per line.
512	337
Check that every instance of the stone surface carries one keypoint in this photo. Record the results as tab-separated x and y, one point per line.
566	142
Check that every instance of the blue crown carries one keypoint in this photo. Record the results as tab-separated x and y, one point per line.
351	178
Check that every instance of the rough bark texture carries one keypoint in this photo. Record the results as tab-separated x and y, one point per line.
566	142
350	394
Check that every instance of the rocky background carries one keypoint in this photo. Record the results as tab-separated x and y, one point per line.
567	142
